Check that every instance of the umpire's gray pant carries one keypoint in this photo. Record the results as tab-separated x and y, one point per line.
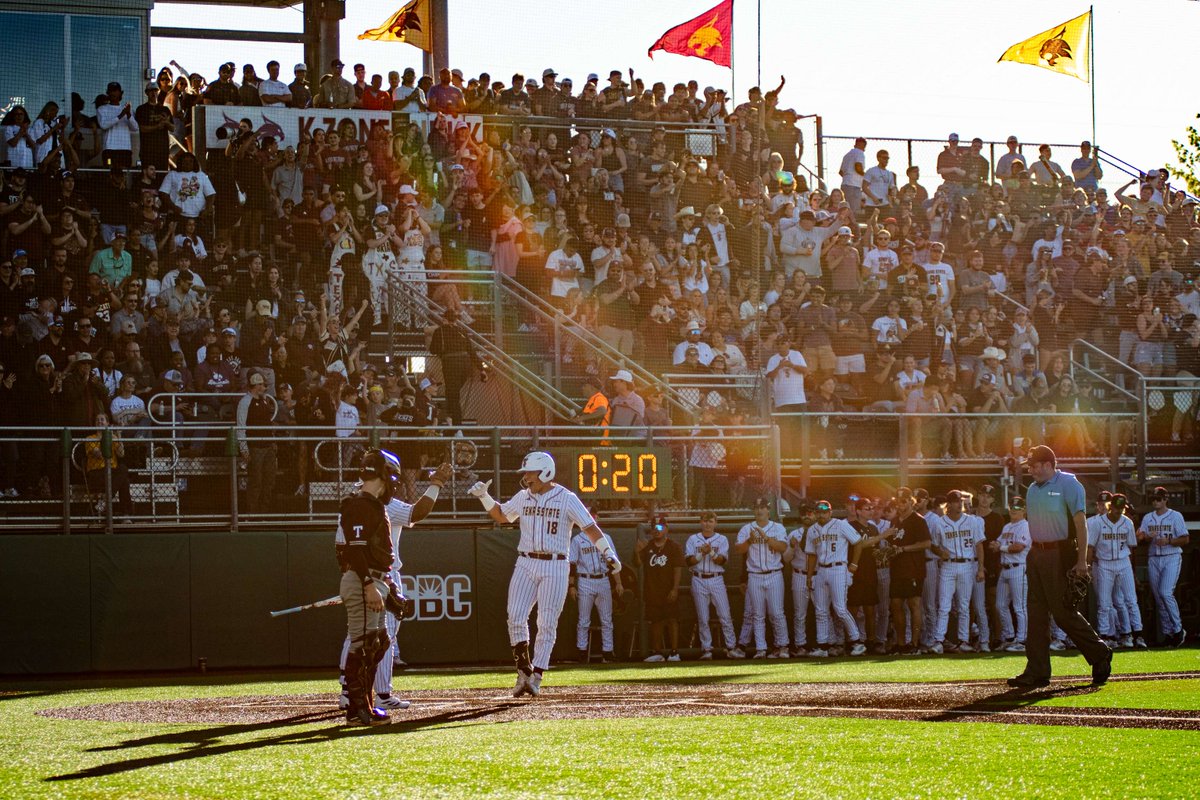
359	619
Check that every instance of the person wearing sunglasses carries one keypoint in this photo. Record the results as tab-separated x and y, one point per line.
833	550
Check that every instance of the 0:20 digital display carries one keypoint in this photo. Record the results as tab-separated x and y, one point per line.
613	472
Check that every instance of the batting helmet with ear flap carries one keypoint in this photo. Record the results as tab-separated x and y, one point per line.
541	463
385	466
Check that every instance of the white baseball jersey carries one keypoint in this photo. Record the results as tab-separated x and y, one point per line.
1170	525
1015	533
934	522
760	557
830	542
796	541
547	519
587	557
720	548
1113	540
400	516
959	536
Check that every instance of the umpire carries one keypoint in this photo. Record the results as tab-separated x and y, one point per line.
1056	507
364	552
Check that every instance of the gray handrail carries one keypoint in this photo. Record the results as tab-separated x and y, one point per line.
1139	398
540	306
543	392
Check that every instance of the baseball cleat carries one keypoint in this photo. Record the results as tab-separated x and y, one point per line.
706	655
388	701
798	651
581	656
534	685
522	685
966	647
1180	638
858	649
1057	646
1015	647
674	656
818	652
836	651
365	717
759	654
736	652
1126	642
343	701
984	647
1139	643
608	657
654	658
937	648
774	653
950	647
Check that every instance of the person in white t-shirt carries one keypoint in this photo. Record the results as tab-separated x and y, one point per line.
800	245
785	370
408	97
565	265
939	274
879	185
880	260
188	189
273	92
854	166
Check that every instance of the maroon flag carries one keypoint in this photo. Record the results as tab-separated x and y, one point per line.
708	36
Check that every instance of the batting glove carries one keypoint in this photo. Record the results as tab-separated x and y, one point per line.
480	490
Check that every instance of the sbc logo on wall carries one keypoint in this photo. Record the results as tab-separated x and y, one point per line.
438	597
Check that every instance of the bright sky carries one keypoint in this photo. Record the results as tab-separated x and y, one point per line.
881	68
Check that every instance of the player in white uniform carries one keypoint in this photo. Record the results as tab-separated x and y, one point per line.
929	590
959	543
400	515
1120	603
763	542
831	566
979	608
707	553
1111	539
797	558
591	588
548	513
1012	590
1164	528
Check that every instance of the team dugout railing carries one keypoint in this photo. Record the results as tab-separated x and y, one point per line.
195	475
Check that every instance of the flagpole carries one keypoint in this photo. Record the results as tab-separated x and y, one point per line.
732	62
1092	69
758	47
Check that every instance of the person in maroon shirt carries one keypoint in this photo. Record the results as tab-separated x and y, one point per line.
375	97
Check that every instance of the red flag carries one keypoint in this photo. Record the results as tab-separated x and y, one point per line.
708	36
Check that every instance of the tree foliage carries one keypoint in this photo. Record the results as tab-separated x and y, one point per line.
1188	154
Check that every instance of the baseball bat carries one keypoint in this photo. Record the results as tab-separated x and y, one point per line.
336	600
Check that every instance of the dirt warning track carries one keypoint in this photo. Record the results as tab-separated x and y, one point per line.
974	701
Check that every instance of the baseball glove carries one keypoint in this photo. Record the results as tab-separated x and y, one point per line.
1076	589
397	604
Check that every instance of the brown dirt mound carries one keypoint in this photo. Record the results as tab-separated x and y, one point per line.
976	701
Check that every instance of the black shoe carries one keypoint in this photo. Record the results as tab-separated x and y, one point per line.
1024	681
608	658
1101	670
582	656
364	716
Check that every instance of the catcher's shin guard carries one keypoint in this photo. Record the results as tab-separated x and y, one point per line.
375	647
356	685
521	657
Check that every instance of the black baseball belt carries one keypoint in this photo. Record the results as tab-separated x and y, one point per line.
768	572
832	564
592	576
1010	566
544	556
707	574
961	560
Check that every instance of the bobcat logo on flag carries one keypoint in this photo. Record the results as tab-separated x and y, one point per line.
405	21
706	37
1054	48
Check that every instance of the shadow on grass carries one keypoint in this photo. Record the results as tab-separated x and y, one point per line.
1010	701
204	742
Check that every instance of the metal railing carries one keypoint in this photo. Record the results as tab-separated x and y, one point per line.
295	476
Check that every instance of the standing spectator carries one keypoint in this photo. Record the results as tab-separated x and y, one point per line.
1086	169
1005	164
785	369
879	186
852	171
1046	173
450	343
842	263
301	96
337	92
628	407
154	125
564	266
800	245
83	392
951	166
446	98
407	98
188	190
618	299
257	448
273	92
18	136
116	120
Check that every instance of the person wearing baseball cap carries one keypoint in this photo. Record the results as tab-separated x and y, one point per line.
1167	533
1012	549
301	95
628	409
1056	506
993	524
1111	540
662	562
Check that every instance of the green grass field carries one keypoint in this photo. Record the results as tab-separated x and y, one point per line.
733	756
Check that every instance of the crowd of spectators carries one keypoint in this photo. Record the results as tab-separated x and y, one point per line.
709	255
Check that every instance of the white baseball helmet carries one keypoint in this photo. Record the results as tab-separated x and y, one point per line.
539	462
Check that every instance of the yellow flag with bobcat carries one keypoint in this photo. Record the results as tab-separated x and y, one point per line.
1065	49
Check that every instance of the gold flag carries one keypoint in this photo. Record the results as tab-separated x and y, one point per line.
1063	49
409	25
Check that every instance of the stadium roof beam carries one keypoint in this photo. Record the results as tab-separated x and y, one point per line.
228	35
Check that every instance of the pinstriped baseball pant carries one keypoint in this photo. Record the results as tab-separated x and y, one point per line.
594	592
540	583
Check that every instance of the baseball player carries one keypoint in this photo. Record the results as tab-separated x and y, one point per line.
589	586
400	515
548	513
707	553
1118	604
797	557
1011	589
365	551
881	516
1165	530
1111	539
764	542
958	542
831	567
929	590
979	608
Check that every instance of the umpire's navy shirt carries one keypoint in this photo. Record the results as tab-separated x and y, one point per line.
1050	506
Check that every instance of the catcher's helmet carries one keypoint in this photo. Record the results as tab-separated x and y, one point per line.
539	462
385	466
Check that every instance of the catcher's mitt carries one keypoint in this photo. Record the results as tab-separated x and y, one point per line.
1076	588
397	604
